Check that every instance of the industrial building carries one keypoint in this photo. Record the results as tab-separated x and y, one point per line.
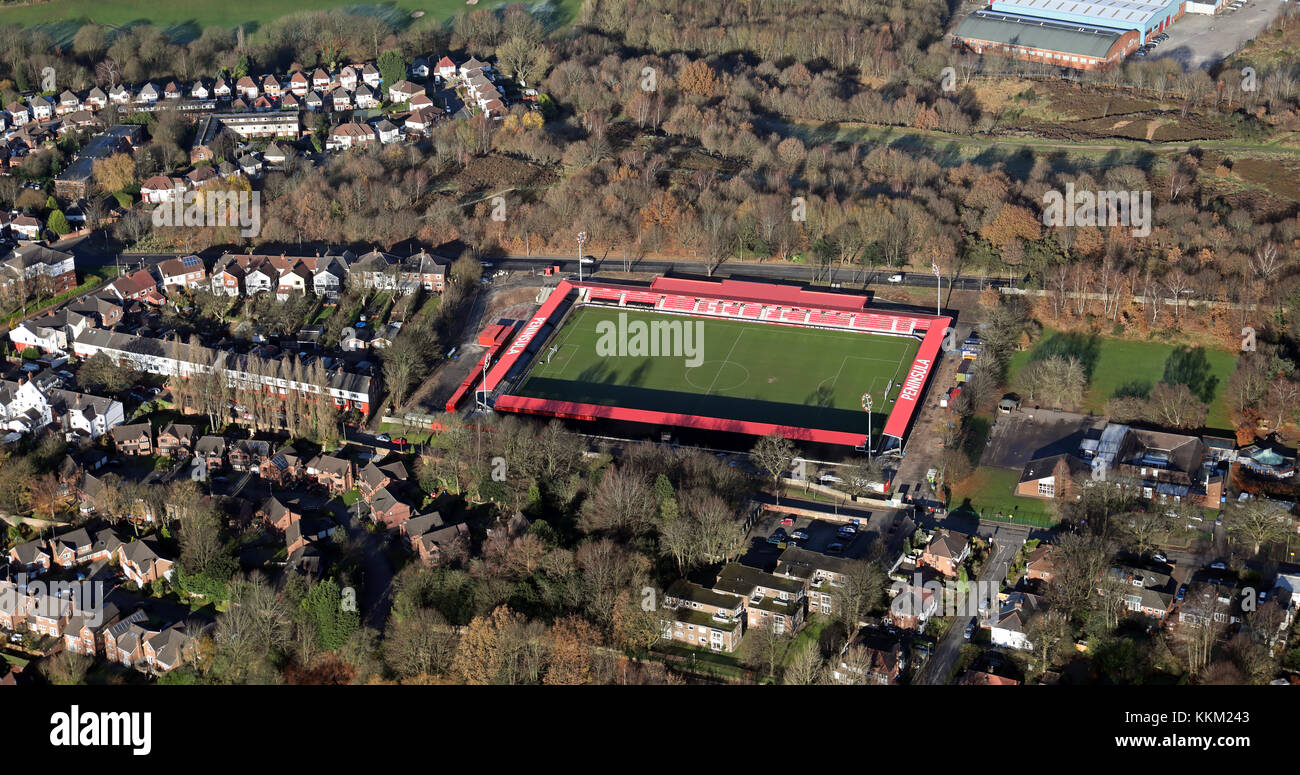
1082	34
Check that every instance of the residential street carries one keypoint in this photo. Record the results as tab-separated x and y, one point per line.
1007	541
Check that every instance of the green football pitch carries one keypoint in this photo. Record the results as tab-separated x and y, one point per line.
756	372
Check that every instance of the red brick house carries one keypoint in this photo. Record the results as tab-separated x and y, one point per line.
946	551
134	439
142	563
337	474
175	439
432	540
284	468
1039	564
389	509
374	478
212	449
278	514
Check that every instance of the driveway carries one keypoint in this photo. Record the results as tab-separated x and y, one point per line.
1008	540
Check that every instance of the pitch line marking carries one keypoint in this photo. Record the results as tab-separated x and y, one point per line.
725	361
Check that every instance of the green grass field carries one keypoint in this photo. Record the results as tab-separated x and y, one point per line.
184	21
988	492
1121	364
748	371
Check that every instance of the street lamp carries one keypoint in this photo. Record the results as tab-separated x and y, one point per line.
866	405
582	238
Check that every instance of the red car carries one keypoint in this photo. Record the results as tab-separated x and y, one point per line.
400	441
787	522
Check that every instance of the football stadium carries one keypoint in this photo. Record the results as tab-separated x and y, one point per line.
729	355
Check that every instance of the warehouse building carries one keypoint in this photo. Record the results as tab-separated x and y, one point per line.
1082	34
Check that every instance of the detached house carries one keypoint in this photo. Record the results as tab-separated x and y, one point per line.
337	474
134	439
872	657
403	91
946	551
143	563
82	546
432	540
175	440
247	88
1010	627
212	450
374	477
31	557
279	513
387	508
42	109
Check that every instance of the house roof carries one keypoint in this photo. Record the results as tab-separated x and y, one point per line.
1045	467
743	580
131	432
948	543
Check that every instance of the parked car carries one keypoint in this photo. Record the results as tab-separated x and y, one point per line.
787	521
896	278
1182	593
384	437
799	535
835	547
1159	557
970	630
1219	565
400	441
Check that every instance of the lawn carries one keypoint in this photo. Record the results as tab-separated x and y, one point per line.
735	370
988	492
1121	364
185	21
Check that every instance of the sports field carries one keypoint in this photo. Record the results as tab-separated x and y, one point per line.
754	372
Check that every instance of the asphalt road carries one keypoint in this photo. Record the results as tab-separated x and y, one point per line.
802	272
939	668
